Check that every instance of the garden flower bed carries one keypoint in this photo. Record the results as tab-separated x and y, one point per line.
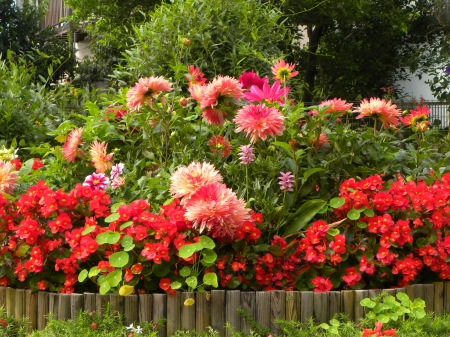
232	197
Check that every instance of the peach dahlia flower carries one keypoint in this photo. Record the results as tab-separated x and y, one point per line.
8	177
70	147
145	89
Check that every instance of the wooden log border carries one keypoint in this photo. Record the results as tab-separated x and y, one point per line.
215	308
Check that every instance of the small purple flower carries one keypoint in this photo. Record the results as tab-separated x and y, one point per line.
116	170
96	181
286	181
447	70
246	156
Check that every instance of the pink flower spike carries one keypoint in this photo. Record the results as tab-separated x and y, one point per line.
286	181
96	181
246	156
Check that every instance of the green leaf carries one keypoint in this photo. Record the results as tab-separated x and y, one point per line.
126	241
207	242
403	298
310	172
353	214
88	230
161	270
367	302
175	285
337	202
369	212
210	279
126	224
191	282
112	217
185	271
187	251
361	224
119	259
303	216
333	231
104	288
107	237
26	167
94	271
285	146
209	256
114	277
82	275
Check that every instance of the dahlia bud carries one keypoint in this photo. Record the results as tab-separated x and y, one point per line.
186	41
183	101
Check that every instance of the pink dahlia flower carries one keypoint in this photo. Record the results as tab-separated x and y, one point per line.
336	105
266	93
248	79
379	109
322	141
8	177
417	119
259	121
97	181
70	147
186	180
145	89
218	209
195	76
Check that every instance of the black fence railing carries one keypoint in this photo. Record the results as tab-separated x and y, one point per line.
439	111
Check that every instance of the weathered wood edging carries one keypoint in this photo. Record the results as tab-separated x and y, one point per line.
213	308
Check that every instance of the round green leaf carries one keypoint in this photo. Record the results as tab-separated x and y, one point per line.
126	241
119	259
88	230
187	251
112	217
361	224
191	282
369	212
94	271
337	202
367	302
209	256
126	224
210	279
112	238
175	285
161	270
353	214
333	231
101	238
114	278
207	242
82	275
185	271
104	288
383	318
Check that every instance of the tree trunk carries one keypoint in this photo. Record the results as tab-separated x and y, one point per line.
314	35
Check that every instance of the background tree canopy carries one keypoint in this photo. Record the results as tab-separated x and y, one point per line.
353	47
20	33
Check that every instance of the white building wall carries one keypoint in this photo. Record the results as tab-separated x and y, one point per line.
416	88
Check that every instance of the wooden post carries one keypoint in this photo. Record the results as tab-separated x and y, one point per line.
42	312
117	303
203	311
145	308
10	301
262	313
375	293
53	300
3	297
173	313
64	306
307	306
321	307
248	303
447	296
439	298
76	305
19	305
428	297
232	302
31	309
334	303
89	302
292	306
348	303
410	292
131	309
187	312
218	311
359	309
278	309
389	292
101	301
160	311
